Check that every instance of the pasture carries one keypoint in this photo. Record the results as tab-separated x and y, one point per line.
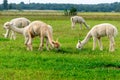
16	63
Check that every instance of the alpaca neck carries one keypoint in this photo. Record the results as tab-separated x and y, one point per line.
86	39
18	30
49	35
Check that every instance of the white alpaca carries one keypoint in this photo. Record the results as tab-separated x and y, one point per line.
80	20
36	28
17	22
97	32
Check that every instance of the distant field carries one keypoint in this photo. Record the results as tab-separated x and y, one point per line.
60	14
16	63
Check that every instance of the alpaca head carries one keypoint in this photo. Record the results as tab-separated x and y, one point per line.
79	45
56	44
88	26
7	25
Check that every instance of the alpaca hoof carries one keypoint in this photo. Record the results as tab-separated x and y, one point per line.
40	49
48	49
111	50
28	49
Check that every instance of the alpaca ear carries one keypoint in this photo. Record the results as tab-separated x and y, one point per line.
53	42
79	41
57	40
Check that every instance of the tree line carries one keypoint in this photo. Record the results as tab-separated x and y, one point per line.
106	7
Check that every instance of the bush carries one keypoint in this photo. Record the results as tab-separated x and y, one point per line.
72	11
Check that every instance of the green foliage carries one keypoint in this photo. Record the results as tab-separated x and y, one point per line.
5	4
16	63
73	11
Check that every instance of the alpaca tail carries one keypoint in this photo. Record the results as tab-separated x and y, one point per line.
71	19
115	31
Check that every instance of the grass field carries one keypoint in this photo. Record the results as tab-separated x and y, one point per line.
16	63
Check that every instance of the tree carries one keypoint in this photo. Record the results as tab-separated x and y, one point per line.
5	4
73	11
1	7
10	6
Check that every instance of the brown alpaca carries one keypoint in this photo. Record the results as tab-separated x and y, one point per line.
41	29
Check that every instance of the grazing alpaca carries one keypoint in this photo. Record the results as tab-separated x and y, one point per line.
78	19
37	28
17	22
97	32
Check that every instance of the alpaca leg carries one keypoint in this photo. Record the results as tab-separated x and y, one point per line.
41	43
81	26
7	33
29	44
28	48
26	40
47	44
13	36
100	44
94	43
73	25
111	48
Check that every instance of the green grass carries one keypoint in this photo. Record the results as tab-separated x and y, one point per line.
16	63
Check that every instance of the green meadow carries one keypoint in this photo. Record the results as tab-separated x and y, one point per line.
16	63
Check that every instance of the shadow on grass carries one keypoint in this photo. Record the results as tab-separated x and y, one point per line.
63	50
70	50
104	65
4	39
110	65
67	50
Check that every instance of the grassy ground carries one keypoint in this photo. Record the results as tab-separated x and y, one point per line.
16	63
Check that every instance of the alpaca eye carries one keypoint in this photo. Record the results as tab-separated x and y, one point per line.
79	46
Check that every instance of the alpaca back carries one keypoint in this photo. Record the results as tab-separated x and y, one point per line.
39	28
20	22
111	29
77	19
104	29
